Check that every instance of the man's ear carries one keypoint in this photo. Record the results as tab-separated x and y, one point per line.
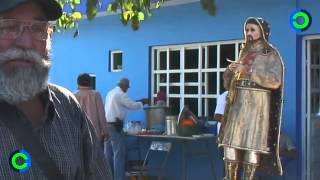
50	31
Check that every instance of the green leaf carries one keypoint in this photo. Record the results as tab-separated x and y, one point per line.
124	22
134	8
127	15
61	4
76	15
135	23
92	9
92	2
91	13
109	9
128	5
60	22
72	24
114	7
75	1
158	4
141	16
148	12
147	3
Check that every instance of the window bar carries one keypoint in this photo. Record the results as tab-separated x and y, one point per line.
167	74
182	61
218	69
200	81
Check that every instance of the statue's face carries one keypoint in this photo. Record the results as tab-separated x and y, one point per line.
252	32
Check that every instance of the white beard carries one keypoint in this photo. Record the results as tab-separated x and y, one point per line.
22	84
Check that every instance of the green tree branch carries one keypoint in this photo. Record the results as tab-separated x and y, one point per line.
131	11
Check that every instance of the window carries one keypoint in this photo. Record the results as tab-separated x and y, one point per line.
115	61
191	74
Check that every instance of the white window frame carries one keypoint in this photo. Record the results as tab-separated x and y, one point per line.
206	96
112	52
305	106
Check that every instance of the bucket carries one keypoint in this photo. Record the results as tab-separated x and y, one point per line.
155	117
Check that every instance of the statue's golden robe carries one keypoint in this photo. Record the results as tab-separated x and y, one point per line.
254	107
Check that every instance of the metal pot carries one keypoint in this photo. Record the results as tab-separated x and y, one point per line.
155	117
171	125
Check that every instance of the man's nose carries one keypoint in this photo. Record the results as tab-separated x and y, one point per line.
25	40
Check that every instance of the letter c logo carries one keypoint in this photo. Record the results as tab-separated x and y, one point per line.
20	160
300	20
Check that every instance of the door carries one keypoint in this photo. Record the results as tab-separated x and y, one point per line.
311	111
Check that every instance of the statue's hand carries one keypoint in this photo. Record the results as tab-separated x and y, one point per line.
239	68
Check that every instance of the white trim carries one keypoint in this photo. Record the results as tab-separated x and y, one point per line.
305	104
168	75
311	37
182	54
191	84
152	73
194	45
218	63
175	84
165	4
198	84
307	118
187	70
112	52
206	74
305	142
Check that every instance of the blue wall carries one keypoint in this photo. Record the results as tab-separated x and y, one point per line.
177	25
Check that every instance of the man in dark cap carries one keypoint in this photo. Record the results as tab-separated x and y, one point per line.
44	133
251	126
91	102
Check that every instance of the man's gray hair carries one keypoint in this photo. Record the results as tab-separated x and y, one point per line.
123	81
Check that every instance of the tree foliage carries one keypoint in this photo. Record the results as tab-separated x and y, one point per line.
130	11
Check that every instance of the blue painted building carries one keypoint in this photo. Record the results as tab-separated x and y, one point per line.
183	49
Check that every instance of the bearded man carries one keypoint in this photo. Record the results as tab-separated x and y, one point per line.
252	118
44	133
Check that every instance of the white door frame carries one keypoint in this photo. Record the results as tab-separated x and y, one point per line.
305	105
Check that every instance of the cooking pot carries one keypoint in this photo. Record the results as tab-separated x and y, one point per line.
155	117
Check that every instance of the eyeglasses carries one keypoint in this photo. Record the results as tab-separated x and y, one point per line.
11	29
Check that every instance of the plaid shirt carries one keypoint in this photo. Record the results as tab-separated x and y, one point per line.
67	136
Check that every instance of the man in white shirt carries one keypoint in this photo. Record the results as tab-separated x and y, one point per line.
218	113
117	105
221	103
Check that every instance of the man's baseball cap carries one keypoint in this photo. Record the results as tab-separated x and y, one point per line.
52	8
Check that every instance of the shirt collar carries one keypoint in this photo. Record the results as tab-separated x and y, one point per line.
47	100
